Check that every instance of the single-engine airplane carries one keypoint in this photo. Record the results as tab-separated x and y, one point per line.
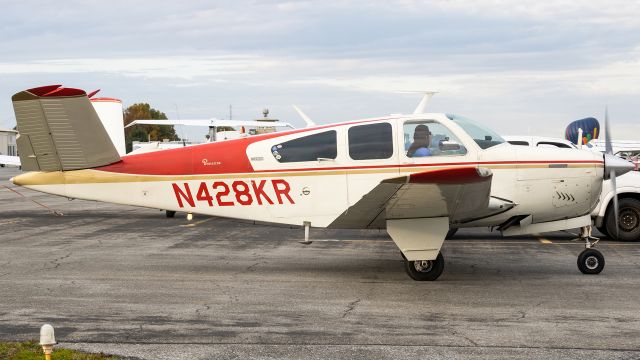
416	175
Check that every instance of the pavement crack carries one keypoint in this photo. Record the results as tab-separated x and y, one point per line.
350	307
56	262
206	308
523	314
455	333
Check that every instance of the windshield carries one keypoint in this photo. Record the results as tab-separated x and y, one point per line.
483	136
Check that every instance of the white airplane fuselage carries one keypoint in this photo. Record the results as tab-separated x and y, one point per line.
245	179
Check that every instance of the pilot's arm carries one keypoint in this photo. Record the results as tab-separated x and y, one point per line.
421	152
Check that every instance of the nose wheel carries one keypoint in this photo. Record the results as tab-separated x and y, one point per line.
425	270
590	260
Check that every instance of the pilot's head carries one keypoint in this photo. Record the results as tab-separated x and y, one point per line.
421	133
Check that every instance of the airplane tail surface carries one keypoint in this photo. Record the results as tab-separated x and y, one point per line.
109	111
60	130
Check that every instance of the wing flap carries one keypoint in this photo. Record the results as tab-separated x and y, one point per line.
456	193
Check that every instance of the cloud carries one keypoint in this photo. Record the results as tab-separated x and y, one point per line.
499	60
173	67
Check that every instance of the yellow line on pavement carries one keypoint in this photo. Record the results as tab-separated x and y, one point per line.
196	223
545	241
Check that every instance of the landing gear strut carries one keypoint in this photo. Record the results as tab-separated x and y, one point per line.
425	270
590	260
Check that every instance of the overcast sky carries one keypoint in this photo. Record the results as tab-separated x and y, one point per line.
521	67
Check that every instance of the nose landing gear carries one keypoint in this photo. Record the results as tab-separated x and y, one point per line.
590	260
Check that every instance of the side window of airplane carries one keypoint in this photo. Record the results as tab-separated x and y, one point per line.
518	142
308	148
373	141
428	138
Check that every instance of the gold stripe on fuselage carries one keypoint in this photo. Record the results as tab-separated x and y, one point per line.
90	176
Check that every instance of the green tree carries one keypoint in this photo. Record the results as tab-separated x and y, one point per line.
144	111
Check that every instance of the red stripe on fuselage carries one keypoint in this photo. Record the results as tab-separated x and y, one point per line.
460	175
230	157
224	157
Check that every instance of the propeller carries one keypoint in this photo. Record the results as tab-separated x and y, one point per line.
612	173
613	166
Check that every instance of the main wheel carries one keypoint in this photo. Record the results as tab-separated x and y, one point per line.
171	214
628	222
425	270
590	261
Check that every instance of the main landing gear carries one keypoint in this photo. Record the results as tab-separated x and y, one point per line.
425	270
590	260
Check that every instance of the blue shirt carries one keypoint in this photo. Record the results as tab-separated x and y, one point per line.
423	151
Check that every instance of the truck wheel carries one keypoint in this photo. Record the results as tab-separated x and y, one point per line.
603	228
628	223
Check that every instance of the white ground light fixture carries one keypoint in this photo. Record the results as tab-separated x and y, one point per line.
47	340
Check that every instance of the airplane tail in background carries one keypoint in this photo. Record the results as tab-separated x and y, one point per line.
110	112
60	130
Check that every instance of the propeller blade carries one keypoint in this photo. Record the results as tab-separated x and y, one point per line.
607	133
616	209
612	172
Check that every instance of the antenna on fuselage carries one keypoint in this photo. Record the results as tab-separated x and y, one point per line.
427	95
304	116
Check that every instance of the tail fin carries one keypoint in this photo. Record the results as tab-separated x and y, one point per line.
60	130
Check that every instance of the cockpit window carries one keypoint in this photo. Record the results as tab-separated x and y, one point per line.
309	148
483	136
429	138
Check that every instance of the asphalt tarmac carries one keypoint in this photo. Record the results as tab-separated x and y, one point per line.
130	282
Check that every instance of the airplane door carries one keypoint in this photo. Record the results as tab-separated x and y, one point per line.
428	144
372	157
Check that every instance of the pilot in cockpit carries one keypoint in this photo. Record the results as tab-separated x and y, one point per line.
421	142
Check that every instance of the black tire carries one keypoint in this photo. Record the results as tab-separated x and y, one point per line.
629	223
170	214
603	229
590	262
425	270
450	233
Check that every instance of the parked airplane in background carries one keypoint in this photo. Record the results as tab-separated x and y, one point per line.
415	175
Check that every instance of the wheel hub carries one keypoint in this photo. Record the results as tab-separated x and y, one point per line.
591	262
629	219
423	265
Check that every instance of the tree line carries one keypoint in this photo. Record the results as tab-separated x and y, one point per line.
143	111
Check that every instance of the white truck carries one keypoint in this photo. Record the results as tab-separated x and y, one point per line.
603	215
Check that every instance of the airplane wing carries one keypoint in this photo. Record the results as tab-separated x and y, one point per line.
461	194
211	122
9	160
